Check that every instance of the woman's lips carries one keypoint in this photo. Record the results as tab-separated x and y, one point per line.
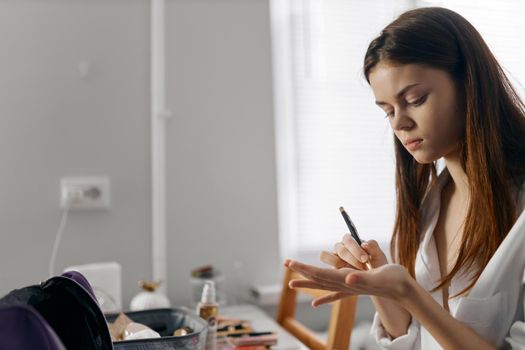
412	145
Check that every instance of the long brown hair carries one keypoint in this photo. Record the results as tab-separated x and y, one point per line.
493	147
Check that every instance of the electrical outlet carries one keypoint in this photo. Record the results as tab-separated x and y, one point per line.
84	193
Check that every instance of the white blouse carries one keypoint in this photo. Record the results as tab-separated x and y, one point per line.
494	307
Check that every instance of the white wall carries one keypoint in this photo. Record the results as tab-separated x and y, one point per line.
54	123
221	166
222	205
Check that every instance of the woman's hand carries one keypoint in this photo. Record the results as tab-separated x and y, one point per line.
390	281
355	256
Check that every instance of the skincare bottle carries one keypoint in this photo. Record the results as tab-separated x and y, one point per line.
208	310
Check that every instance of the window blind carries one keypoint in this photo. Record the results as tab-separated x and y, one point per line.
332	140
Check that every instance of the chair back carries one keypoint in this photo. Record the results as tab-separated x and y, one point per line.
341	317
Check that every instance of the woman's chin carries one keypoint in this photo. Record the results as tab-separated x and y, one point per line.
422	158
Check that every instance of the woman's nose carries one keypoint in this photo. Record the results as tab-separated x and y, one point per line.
401	121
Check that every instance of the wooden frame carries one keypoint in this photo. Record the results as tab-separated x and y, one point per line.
341	317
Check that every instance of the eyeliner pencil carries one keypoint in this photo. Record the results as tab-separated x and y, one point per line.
353	231
351	226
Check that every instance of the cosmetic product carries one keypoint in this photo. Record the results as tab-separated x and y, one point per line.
180	332
135	331
253	339
353	232
207	273
149	298
208	309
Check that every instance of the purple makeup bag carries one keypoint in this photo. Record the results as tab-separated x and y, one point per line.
68	305
22	328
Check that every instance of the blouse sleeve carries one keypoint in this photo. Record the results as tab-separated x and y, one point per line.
409	341
516	338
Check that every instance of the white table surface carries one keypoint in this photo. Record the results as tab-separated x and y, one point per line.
261	322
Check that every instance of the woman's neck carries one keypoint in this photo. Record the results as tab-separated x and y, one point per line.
458	176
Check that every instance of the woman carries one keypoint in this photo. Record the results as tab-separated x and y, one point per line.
458	240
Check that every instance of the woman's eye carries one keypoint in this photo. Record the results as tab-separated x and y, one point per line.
389	115
419	101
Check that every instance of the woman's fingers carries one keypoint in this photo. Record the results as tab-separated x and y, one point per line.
367	282
322	275
352	279
333	260
375	282
377	256
312	285
345	254
389	281
329	298
359	253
